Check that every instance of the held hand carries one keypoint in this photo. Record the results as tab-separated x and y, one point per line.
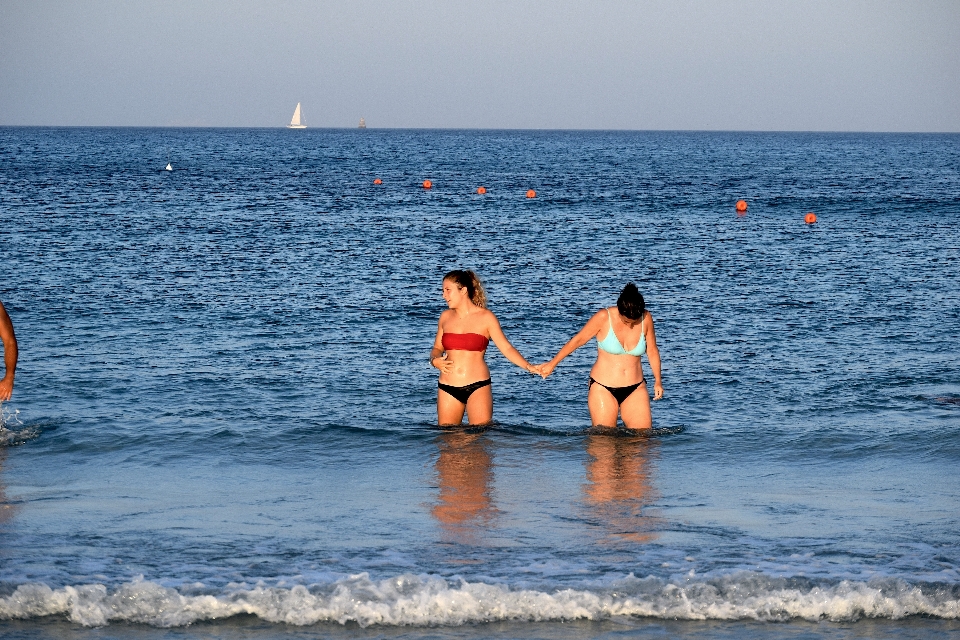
441	362
6	389
657	391
537	370
546	368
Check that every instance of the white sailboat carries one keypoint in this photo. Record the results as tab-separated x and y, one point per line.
295	121
363	124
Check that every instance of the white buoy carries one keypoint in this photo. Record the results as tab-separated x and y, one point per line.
169	167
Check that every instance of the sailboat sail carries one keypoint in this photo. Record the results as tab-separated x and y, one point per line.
295	121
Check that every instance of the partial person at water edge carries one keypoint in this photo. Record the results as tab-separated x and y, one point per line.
463	333
9	354
617	385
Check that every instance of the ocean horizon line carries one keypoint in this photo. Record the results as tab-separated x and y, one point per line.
513	129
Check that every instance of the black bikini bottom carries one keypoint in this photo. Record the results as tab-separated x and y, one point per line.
619	393
462	394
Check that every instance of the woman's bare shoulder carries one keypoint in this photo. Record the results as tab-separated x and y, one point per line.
600	315
486	317
647	320
444	316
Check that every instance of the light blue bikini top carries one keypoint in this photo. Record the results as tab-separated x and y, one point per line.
611	344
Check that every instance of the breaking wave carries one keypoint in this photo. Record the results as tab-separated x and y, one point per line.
433	601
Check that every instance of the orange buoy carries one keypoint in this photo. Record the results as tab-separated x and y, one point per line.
531	193
378	181
481	190
810	218
427	184
741	205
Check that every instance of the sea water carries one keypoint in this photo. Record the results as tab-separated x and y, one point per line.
224	420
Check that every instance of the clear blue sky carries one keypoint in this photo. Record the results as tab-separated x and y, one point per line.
673	64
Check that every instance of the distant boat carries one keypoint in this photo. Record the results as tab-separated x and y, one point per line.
295	121
169	167
363	124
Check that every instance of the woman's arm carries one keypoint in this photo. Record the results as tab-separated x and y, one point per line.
508	350
653	355
438	357
591	329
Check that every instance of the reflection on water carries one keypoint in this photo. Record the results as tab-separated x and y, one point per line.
6	509
465	478
620	472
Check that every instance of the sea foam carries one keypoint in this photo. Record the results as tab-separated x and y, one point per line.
11	428
433	601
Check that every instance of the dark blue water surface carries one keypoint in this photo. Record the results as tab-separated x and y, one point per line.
224	416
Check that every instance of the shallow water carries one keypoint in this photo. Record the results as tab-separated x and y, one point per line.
225	407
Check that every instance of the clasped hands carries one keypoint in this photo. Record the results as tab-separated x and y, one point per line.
542	370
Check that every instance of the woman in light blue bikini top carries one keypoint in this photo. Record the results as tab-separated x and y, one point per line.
611	343
617	387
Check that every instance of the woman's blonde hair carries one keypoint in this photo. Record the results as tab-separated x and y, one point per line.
468	280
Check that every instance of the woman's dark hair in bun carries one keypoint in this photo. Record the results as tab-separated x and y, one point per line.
630	303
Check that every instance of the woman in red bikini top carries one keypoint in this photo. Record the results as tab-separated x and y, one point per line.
463	333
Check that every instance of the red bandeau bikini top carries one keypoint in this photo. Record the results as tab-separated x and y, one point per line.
464	341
